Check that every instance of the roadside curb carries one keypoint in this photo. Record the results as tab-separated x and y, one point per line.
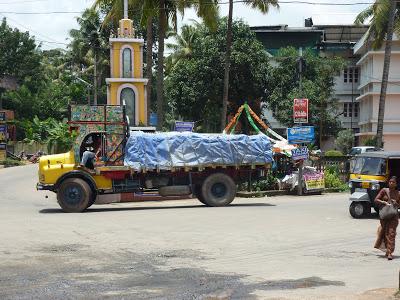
259	194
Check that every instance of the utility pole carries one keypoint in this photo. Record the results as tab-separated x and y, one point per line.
300	179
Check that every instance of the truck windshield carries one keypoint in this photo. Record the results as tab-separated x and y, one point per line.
369	166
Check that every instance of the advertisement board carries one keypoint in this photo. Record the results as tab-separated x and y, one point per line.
314	181
2	116
301	134
300	111
300	153
3	133
3	151
183	126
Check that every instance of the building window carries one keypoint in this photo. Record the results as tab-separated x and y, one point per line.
351	75
350	110
128	99
356	75
356	109
127	63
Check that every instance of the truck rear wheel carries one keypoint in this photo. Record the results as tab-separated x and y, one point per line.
74	195
199	195
218	189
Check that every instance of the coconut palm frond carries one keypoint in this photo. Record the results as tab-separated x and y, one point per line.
364	15
262	5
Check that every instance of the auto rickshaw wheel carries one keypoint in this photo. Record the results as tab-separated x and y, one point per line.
359	209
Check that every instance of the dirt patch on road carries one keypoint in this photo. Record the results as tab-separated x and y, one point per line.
76	271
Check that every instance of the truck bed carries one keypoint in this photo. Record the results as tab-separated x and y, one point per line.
168	151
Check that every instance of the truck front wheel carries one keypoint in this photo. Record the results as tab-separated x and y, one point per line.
74	195
218	189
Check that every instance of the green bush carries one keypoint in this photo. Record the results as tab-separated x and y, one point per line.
371	142
11	162
332	179
265	184
333	153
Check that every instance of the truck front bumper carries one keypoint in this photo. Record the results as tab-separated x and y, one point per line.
44	187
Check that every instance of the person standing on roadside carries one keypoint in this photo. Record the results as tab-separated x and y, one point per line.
387	230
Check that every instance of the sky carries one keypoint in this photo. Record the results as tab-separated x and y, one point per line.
53	29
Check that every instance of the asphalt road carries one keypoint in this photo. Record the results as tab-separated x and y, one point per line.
266	248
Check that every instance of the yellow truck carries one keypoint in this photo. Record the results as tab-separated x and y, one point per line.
170	164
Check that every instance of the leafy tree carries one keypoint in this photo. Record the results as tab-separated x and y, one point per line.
194	87
261	5
167	13
385	18
317	86
344	140
20	57
51	97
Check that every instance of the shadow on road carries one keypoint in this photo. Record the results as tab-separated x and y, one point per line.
200	206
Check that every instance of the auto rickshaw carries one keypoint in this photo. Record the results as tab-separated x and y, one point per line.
370	172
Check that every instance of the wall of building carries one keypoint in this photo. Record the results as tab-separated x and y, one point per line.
371	69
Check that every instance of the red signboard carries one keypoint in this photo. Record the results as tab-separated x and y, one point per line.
300	110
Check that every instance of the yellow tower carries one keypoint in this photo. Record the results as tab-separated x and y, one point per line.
127	85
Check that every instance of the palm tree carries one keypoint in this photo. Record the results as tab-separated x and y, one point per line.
261	5
183	46
148	10
384	20
88	39
167	11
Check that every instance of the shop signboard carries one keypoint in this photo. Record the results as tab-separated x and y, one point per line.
3	151
300	111
300	153
314	181
183	126
2	116
301	135
3	133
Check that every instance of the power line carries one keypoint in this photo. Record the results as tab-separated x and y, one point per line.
210	3
34	31
21	2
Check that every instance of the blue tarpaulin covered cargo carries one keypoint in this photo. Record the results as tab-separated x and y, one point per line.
165	151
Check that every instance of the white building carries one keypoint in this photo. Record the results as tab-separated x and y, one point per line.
371	68
326	41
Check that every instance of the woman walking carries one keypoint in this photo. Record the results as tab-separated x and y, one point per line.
387	230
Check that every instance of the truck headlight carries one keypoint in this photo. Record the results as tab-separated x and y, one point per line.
375	186
351	184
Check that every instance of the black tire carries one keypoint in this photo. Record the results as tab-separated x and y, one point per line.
218	190
359	210
74	195
199	195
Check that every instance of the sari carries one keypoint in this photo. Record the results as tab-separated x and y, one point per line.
386	235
